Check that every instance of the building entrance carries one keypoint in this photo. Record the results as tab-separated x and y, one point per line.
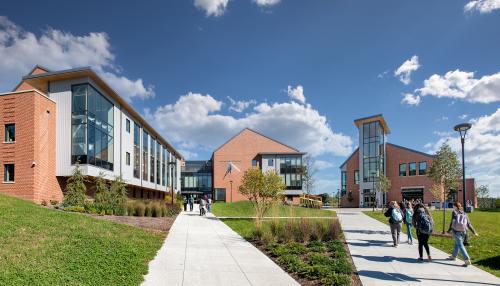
368	199
413	194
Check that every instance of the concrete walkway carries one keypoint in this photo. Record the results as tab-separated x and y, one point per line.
204	251
378	263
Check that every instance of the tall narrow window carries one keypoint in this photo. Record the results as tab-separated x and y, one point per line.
158	161
145	155
127	158
402	170
137	151
163	164
127	125
343	179
8	173
10	132
422	168
356	177
152	160
413	169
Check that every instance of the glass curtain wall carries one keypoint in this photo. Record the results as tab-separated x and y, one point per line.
373	151
158	159
137	151
92	127
152	161
290	172
163	164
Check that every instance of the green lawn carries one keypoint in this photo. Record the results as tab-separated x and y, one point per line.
40	246
245	209
484	249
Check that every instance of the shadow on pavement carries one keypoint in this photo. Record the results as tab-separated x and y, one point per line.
405	278
387	259
365	231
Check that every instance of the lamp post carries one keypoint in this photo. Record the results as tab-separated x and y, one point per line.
338	198
462	129
170	164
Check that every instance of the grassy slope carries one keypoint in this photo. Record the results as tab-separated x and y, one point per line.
245	209
40	246
484	249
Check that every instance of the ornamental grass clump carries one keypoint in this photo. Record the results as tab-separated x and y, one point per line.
140	208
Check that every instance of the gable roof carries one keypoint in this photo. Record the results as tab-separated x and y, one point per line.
411	150
349	158
258	133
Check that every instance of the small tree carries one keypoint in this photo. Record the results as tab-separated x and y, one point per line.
445	171
482	193
118	193
262	190
75	188
308	170
102	195
383	186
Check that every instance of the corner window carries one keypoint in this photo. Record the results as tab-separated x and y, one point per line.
270	162
10	132
127	125
422	168
402	170
127	158
356	177
8	173
413	169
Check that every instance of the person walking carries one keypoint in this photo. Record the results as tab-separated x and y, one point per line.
209	205
458	226
395	219
203	204
408	218
185	202
422	220
191	203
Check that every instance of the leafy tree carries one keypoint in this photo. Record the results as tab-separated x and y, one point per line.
308	171
445	171
118	193
75	188
482	193
262	189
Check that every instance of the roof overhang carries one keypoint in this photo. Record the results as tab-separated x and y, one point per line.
40	82
378	117
281	153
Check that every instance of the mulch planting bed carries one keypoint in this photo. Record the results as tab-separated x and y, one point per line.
155	224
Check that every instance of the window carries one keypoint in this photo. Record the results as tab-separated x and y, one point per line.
356	177
254	163
10	132
343	179
127	158
158	162
373	150
163	166
413	169
127	125
402	170
270	162
145	155
137	151
422	168
8	173
91	127
152	146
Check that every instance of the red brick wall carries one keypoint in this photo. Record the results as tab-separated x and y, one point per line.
351	165
241	150
35	142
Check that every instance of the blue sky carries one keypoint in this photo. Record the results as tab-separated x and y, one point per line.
302	71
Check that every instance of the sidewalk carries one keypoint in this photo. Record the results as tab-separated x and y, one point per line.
204	251
378	263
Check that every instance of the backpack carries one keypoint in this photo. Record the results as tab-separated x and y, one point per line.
409	216
424	222
396	216
460	222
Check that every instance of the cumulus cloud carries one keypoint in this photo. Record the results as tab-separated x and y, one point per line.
213	8
20	50
482	6
296	93
411	99
266	2
321	164
406	69
462	85
481	147
240	105
197	118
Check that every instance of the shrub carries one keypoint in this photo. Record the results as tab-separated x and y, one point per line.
108	212
140	208
102	197
78	209
75	188
316	246
498	203
172	210
336	248
334	231
54	202
156	209
130	208
334	279
304	230
121	210
44	203
149	210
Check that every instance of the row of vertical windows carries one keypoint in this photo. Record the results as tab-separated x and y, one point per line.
290	172
412	169
137	151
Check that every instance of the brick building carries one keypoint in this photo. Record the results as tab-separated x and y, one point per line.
404	167
250	149
54	119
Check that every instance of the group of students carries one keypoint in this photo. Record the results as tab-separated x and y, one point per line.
205	204
420	217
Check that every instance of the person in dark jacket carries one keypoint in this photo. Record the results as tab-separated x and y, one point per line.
458	226
395	219
421	214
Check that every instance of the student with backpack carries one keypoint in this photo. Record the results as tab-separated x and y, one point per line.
422	220
408	217
458	226
395	219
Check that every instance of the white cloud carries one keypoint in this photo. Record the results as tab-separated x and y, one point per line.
411	99
240	105
197	118
321	164
462	85
382	74
297	93
212	7
266	2
482	152
406	69
325	185
21	50
463	116
483	6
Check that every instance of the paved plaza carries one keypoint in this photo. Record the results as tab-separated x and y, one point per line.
204	251
378	263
